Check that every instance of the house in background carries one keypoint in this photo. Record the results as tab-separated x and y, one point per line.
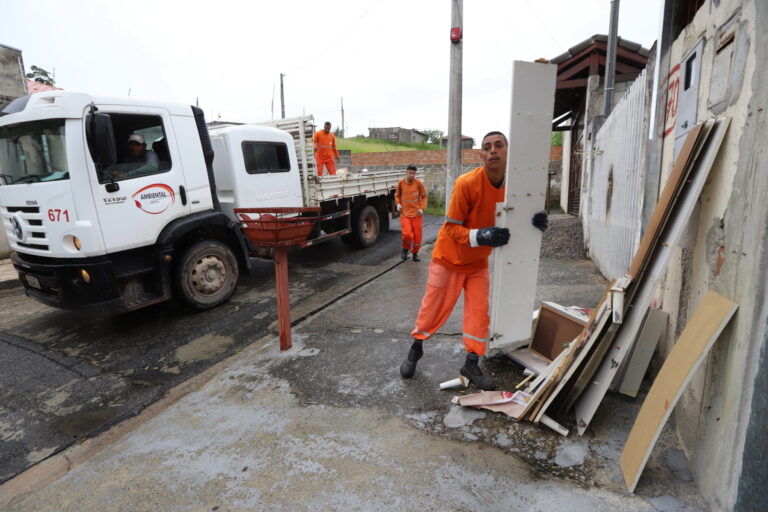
397	134
466	142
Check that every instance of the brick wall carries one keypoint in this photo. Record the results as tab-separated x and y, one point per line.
431	164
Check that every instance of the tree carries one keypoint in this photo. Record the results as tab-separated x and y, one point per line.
41	76
433	136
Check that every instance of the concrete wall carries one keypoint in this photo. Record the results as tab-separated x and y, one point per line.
12	85
397	134
721	418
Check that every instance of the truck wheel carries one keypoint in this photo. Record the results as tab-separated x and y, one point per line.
206	275
365	226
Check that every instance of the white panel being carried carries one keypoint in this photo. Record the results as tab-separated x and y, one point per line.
516	265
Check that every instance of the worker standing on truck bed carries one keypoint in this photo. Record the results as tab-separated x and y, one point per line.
460	260
325	150
411	199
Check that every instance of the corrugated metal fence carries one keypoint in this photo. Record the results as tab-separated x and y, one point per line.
612	200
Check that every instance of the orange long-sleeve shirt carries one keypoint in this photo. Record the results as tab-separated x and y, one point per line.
412	197
472	206
324	144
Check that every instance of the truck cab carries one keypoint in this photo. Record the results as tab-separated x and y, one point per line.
92	224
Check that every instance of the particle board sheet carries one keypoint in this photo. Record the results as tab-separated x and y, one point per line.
653	329
554	328
704	327
516	265
669	238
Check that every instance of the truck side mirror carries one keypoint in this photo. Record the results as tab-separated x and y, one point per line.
101	139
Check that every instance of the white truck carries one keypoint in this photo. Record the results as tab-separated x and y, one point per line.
88	230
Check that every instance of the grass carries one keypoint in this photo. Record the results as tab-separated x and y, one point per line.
435	204
364	145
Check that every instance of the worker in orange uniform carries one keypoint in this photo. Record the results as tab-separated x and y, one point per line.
325	150
460	260
411	199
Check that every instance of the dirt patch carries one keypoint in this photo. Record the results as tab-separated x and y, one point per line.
203	348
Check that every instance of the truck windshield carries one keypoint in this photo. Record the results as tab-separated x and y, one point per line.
33	152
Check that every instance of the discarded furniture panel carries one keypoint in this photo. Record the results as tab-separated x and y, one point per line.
704	327
555	327
628	381
533	93
660	254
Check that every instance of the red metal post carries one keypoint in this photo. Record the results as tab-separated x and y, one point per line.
283	301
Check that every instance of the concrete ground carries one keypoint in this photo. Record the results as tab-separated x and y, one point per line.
330	425
7	273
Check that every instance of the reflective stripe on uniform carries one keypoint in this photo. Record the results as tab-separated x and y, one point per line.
481	340
454	221
425	333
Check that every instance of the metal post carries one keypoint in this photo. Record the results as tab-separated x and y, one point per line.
610	59
282	96
283	300
454	100
342	117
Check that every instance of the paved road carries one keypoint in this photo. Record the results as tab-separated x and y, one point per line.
66	376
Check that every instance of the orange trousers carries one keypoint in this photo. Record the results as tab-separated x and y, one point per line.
410	233
328	162
443	289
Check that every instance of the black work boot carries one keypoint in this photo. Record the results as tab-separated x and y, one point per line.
408	368
404	254
416	257
472	371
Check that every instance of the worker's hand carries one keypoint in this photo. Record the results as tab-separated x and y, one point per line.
420	211
491	237
540	221
399	207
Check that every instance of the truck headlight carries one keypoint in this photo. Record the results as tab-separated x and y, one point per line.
71	243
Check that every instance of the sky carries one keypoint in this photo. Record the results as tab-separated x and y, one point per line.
388	59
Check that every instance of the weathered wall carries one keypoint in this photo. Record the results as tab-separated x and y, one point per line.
725	249
397	134
12	85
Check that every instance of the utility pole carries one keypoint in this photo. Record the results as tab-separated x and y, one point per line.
610	59
342	117
454	100
282	96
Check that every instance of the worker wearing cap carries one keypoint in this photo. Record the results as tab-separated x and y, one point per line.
140	160
460	260
411	199
325	150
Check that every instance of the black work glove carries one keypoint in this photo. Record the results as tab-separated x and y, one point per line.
492	237
540	221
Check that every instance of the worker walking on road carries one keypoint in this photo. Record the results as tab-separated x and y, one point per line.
325	150
411	199
460	260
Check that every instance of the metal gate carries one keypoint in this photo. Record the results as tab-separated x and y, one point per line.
613	203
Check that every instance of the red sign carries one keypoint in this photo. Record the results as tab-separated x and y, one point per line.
673	93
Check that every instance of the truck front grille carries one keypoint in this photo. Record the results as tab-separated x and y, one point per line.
32	225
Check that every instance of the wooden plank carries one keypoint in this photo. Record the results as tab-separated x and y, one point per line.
670	236
653	329
674	181
516	265
534	362
704	327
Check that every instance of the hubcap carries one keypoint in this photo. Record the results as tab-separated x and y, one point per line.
208	275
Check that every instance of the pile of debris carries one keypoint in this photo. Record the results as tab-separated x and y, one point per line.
575	356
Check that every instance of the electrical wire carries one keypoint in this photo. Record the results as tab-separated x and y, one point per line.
544	26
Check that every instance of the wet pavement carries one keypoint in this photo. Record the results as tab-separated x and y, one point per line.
330	424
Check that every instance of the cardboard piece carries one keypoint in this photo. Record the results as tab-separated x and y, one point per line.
506	402
704	327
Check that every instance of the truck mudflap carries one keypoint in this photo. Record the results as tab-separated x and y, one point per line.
106	284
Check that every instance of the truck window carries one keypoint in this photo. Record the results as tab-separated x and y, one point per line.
265	157
33	152
142	147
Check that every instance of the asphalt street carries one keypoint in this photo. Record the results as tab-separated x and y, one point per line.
67	376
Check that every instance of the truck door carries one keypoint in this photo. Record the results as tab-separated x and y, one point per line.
145	190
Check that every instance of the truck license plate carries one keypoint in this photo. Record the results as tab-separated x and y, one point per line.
33	282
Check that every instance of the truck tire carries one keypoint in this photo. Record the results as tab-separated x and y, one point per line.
365	226
206	275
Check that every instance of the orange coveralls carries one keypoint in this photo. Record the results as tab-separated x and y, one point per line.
456	266
412	197
325	151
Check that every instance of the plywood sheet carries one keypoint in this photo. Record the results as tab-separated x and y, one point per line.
704	327
516	265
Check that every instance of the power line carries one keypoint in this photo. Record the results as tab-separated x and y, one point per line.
343	34
543	25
